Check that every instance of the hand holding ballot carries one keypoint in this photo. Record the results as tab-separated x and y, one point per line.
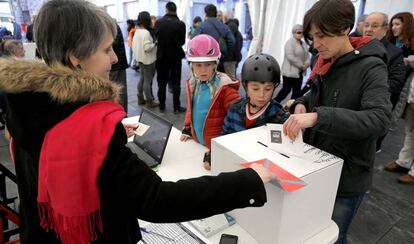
264	173
297	122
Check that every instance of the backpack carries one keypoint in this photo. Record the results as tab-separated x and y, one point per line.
221	41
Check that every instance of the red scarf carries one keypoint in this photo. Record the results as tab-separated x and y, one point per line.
322	66
72	154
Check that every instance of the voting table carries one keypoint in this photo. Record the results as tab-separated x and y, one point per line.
303	216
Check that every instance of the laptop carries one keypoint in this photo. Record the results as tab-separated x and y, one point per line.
150	147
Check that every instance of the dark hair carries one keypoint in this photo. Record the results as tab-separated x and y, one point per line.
85	26
210	10
331	17
144	19
171	7
407	30
197	19
130	24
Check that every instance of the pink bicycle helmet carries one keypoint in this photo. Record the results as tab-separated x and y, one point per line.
203	48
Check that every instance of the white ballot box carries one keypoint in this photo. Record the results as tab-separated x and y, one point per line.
287	217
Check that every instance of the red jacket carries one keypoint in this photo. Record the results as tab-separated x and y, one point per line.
226	94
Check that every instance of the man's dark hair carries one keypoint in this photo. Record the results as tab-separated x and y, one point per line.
171	7
210	10
331	17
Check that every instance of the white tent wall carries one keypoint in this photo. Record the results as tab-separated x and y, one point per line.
279	18
389	7
278	28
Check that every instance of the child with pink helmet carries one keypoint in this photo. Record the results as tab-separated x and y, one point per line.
209	93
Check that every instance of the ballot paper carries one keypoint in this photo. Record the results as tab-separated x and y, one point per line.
281	143
283	178
142	128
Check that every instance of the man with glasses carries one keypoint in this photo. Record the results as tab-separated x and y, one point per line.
376	26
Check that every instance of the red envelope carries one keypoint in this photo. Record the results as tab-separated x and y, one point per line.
284	179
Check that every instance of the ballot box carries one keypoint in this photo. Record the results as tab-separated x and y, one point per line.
287	217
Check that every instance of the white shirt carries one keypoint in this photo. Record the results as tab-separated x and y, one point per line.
143	47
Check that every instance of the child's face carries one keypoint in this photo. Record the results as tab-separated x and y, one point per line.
204	70
260	93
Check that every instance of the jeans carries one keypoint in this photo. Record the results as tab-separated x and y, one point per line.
145	81
344	211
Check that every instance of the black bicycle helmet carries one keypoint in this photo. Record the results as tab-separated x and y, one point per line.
260	67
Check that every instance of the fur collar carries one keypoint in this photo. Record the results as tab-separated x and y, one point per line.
63	84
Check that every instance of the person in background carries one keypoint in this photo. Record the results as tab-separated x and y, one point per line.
11	48
401	34
153	20
196	23
29	32
360	27
260	77
118	70
220	16
170	32
218	30
4	33
77	181
348	107
295	63
145	52
209	93
376	26
405	109
131	32
234	55
17	29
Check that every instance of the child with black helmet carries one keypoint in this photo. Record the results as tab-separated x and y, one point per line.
260	77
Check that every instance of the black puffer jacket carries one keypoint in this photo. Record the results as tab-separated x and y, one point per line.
39	97
396	67
353	106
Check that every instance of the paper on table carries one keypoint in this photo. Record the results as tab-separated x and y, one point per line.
284	179
142	128
279	142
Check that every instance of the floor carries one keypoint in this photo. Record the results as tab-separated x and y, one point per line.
386	215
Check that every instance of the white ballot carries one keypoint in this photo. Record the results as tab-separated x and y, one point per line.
281	143
142	128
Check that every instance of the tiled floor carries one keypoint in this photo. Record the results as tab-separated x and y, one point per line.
387	213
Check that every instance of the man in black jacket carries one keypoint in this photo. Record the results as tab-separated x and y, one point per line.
118	70
376	25
170	34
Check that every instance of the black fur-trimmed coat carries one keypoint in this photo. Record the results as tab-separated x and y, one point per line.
39	96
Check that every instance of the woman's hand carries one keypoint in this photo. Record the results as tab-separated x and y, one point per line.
297	122
264	174
300	109
130	128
